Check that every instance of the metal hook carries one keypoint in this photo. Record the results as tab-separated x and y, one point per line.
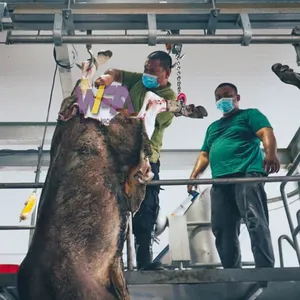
89	47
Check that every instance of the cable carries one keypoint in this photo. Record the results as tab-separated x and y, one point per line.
31	202
280	207
66	66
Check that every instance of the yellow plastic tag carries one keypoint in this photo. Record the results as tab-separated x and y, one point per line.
98	99
29	205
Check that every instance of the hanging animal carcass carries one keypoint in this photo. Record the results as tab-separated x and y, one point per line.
97	175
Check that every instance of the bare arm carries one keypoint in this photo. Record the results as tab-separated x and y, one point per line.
200	165
266	135
271	162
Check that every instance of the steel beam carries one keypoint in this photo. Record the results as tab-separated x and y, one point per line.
63	24
152	29
175	15
145	6
245	23
162	39
213	21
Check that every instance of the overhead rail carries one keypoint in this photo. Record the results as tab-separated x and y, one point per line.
161	39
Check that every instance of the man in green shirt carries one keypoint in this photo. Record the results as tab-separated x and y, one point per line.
232	148
157	70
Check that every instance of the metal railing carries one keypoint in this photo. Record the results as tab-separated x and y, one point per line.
284	179
294	231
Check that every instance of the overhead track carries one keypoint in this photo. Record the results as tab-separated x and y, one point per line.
160	39
172	15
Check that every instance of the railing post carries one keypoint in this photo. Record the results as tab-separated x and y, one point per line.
295	243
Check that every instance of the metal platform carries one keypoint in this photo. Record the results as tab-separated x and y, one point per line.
247	284
283	283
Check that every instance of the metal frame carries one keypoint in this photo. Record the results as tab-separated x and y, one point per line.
215	276
294	231
173	15
160	39
202	181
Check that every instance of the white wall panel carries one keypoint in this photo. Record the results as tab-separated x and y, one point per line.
27	70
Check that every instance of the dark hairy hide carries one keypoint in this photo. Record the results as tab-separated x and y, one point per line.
76	251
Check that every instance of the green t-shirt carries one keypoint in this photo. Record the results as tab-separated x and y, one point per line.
137	91
232	144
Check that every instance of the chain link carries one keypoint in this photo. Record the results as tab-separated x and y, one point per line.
178	67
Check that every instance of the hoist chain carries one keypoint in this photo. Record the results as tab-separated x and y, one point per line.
177	51
178	67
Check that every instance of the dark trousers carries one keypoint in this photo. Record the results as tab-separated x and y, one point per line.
230	204
144	221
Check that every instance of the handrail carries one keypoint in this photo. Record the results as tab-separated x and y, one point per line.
294	231
284	179
202	181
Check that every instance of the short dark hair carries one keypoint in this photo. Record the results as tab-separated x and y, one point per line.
164	57
227	84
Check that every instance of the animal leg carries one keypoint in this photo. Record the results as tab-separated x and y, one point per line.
135	182
117	278
179	108
152	106
286	74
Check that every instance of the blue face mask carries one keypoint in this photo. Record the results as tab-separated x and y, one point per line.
226	105
150	81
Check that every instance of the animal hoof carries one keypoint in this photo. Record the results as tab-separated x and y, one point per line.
286	74
192	111
143	179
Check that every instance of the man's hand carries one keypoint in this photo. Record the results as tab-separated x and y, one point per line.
104	80
190	188
271	164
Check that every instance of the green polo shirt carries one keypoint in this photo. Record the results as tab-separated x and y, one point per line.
137	91
232	143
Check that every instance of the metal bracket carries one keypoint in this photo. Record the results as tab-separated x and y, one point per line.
58	29
152	28
296	31
63	24
68	23
213	21
176	48
245	23
3	11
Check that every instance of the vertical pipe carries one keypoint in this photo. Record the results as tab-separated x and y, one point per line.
286	205
128	244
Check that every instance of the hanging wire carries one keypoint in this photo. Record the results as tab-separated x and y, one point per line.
66	66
